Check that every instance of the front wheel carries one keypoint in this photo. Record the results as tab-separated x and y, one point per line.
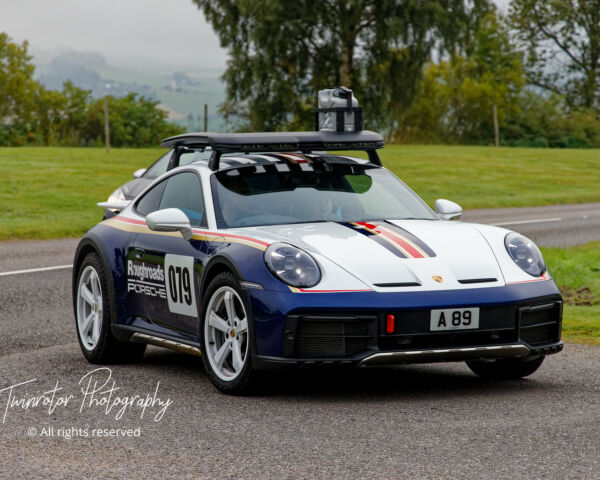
226	336
506	368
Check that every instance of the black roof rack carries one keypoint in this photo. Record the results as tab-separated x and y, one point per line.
278	142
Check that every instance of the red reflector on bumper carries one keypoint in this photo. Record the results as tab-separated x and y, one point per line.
390	325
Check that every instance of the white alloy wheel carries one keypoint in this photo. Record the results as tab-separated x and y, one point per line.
89	308
226	333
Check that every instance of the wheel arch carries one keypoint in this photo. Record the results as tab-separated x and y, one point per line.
218	264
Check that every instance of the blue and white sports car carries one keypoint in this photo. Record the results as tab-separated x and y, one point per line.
273	253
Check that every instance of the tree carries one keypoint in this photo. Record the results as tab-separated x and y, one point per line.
455	100
282	53
562	38
76	107
17	86
134	122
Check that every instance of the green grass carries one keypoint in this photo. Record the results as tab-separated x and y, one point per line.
481	177
52	192
576	271
581	324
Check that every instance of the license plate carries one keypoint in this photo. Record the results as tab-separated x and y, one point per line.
454	319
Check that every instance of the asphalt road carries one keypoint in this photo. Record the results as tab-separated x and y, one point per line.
432	421
553	226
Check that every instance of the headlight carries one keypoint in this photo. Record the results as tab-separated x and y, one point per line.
525	254
292	265
117	196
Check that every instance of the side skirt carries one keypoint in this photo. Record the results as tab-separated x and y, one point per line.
163	342
131	334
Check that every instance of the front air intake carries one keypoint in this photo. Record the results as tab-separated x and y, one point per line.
540	324
315	336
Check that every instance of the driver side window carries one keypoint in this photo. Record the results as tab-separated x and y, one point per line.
184	191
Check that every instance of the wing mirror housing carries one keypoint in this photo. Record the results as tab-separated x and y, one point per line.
447	210
170	220
116	206
139	173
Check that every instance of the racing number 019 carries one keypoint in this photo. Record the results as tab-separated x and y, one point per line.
180	284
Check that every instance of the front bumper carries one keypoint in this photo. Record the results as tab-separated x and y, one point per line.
514	322
461	354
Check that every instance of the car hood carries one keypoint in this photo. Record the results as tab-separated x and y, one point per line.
397	254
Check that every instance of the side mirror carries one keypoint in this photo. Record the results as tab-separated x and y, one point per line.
447	210
139	173
170	220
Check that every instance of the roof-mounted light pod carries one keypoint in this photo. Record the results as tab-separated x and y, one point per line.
338	111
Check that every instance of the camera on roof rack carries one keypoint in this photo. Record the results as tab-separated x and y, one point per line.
338	111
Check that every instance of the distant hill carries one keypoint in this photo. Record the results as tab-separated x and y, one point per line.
181	93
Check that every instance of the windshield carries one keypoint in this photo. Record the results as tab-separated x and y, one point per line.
278	194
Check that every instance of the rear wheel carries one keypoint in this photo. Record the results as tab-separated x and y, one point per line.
94	311
506	368
226	336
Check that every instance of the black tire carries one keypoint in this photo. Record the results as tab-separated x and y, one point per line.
108	349
245	381
506	368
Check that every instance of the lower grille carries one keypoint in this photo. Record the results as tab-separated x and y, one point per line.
312	336
328	346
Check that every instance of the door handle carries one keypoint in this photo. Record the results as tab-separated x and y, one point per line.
139	252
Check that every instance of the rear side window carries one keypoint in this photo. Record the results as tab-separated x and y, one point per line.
184	191
150	202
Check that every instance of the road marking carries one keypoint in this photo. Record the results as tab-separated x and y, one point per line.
33	270
523	222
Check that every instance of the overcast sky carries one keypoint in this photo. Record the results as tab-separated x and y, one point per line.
149	34
134	33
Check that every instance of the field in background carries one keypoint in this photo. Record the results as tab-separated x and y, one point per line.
482	177
52	192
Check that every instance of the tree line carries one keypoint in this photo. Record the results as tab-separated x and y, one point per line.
428	71
31	114
425	71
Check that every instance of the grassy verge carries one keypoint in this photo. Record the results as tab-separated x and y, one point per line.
52	192
576	271
581	324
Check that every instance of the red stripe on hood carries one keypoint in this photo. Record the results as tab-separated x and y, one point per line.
394	238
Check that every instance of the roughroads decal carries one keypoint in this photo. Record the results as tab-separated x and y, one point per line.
180	284
146	279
